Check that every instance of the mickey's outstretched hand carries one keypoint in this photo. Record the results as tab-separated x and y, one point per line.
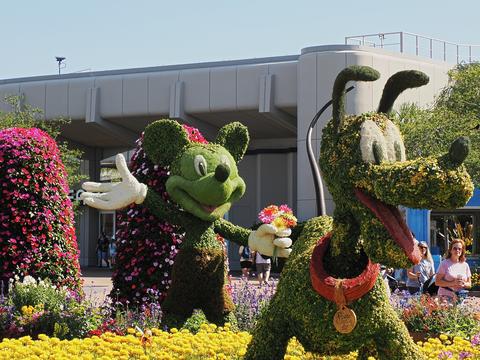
113	196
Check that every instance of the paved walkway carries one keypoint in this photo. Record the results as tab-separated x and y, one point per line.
97	282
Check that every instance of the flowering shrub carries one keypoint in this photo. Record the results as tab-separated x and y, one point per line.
432	316
38	307
37	234
146	246
250	300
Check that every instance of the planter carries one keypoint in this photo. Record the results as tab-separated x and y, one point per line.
418	335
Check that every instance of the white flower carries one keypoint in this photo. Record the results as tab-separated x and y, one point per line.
28	280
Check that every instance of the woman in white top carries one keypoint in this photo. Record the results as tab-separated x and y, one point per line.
263	264
454	273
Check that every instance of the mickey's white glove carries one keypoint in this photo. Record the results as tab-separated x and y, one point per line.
113	196
267	237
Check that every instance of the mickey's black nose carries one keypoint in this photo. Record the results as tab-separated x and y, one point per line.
222	172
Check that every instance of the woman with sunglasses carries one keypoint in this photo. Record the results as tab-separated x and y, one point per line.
454	274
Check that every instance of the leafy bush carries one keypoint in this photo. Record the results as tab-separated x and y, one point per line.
37	234
38	307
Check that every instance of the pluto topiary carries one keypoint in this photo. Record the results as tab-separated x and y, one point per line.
330	296
202	184
37	234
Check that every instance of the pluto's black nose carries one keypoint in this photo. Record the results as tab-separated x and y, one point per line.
459	150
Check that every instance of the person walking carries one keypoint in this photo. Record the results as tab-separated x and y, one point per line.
102	249
454	276
246	260
264	265
420	273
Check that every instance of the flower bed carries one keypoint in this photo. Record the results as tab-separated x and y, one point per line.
210	342
430	316
36	308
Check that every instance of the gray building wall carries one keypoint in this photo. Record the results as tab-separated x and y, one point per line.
276	98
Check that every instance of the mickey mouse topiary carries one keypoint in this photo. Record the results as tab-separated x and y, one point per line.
203	183
37	234
330	296
146	245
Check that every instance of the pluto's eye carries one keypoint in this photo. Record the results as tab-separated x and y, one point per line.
378	154
372	143
200	165
394	142
398	151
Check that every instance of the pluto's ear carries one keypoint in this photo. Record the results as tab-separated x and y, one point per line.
164	140
396	84
351	73
234	137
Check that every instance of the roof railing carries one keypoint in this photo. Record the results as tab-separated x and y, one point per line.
419	45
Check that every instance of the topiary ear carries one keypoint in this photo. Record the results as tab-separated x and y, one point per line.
164	140
234	137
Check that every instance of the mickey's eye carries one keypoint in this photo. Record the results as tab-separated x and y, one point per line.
200	165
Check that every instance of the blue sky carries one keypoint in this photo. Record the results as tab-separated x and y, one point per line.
105	35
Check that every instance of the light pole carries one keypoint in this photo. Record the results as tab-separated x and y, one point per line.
59	60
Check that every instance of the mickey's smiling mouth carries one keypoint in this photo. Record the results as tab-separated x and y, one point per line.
208	208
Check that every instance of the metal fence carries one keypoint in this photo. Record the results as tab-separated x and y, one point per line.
419	45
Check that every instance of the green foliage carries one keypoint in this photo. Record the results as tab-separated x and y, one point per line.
194	322
461	94
38	307
29	292
23	115
431	131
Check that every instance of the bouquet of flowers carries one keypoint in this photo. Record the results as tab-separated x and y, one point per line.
281	217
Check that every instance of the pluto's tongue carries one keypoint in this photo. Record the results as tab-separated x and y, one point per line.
209	208
394	223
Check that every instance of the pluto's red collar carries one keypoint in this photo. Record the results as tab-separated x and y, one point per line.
325	284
